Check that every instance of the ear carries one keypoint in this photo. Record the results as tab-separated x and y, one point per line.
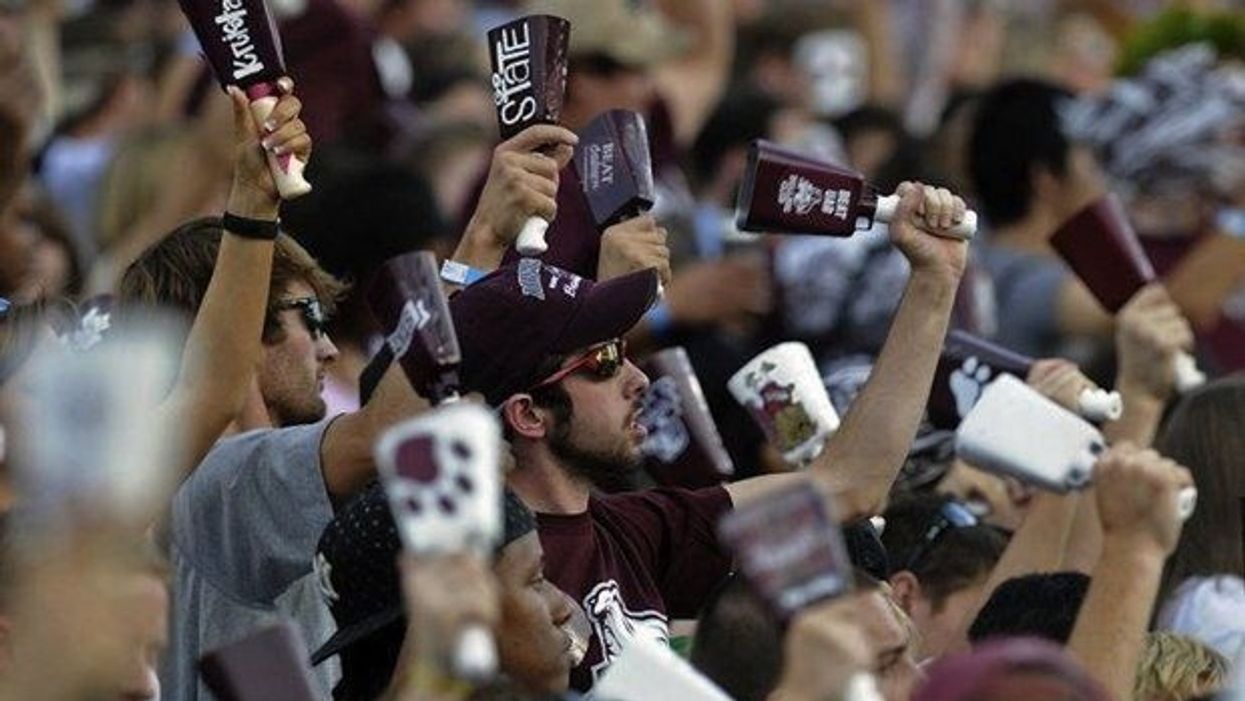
525	418
906	589
1046	186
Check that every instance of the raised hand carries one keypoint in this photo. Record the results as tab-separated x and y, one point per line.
1061	381
254	193
719	291
1138	499
523	181
635	244
924	211
1150	332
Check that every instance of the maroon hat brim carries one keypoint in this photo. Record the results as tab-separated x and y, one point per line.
609	311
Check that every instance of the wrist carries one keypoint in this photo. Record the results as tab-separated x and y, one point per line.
1133	549
937	284
247	202
480	246
1140	395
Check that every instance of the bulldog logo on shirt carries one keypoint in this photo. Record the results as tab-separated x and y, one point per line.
615	625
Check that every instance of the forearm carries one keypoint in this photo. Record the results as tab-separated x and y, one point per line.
863	457
1037	546
479	247
1140	419
223	346
1110	630
346	452
1206	277
875	21
1084	538
694	83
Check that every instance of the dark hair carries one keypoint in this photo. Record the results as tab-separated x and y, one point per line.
553	397
1016	130
1204	433
176	271
1038	605
368	664
739	118
737	645
957	559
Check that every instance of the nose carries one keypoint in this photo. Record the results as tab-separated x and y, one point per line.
560	606
635	380
326	352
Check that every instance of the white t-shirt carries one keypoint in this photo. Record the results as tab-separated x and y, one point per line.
1211	609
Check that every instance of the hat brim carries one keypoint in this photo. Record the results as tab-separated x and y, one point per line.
609	311
353	633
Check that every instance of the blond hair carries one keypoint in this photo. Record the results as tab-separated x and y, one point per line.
1177	667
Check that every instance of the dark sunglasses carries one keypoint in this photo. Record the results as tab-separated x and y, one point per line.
950	516
601	361
311	311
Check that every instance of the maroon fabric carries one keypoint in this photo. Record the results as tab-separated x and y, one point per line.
516	317
328	51
634	561
1225	341
574	242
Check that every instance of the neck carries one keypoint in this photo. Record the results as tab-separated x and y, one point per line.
1032	233
254	413
544	484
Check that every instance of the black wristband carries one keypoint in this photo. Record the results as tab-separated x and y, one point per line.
247	228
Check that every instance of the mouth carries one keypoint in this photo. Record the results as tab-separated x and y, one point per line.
576	647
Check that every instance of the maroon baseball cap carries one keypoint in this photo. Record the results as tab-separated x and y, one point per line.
509	322
1010	669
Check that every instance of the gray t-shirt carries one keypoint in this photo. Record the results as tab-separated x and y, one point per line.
243	536
1026	289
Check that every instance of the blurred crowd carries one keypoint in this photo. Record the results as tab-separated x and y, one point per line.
242	483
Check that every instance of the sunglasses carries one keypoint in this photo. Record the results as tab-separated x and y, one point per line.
952	515
601	361
311	311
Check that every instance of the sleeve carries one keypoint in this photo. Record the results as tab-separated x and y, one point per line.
676	531
250	516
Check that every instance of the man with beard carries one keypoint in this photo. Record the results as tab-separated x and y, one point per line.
543	347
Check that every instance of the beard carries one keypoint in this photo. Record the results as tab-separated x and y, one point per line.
299	413
608	469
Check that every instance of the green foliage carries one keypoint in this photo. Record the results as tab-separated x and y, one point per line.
1178	26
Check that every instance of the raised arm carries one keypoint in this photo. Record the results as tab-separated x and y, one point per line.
223	346
522	182
694	83
863	457
1137	503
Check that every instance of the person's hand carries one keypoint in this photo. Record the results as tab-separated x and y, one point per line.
638	243
823	649
719	291
1137	492
923	212
1061	381
444	595
522	182
1150	331
254	193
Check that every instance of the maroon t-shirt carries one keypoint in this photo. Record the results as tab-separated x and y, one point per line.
634	561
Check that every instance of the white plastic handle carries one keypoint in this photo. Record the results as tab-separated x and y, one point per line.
862	686
1188	376
1187	502
1100	405
287	170
966	229
531	241
475	654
